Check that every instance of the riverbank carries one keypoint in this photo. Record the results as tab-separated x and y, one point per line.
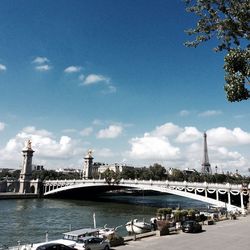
4	196
228	234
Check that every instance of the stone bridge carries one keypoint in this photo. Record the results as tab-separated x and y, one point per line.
232	197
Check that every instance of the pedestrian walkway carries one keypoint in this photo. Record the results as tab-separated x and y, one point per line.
229	235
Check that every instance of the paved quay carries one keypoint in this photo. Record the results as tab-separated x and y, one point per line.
228	235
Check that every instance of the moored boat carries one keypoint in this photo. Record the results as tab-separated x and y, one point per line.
138	227
105	231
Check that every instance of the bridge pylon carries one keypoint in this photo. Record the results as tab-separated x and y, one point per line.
26	172
88	165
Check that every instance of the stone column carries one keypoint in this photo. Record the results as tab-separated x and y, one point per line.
88	165
25	175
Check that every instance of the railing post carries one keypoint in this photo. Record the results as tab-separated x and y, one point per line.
217	195
229	198
242	204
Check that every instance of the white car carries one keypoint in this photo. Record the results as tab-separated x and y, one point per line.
92	243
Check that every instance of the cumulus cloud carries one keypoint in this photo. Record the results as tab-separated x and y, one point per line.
86	131
44	144
153	148
190	134
2	126
209	113
72	69
3	67
40	60
112	131
42	64
93	79
226	137
183	147
167	129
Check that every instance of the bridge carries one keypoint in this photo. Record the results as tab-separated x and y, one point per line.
232	197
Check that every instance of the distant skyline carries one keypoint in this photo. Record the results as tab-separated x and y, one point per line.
114	76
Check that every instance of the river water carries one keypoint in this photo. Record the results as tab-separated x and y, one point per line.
28	220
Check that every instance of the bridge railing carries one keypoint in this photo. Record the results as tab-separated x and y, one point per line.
184	184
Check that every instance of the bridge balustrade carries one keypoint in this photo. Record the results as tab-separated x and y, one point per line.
193	190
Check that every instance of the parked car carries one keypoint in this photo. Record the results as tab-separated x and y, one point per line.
92	243
54	246
191	226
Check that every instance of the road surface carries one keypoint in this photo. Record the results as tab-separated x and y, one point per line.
224	235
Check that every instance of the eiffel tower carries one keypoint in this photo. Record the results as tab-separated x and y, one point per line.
206	167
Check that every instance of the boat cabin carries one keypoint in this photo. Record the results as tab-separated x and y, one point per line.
80	233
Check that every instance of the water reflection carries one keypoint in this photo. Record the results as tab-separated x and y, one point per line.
29	220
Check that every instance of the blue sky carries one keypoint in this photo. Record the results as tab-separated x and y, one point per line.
115	77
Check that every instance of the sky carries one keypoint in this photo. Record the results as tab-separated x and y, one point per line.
114	76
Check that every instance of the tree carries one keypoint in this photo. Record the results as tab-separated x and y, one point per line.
128	173
158	172
177	175
228	21
108	175
237	69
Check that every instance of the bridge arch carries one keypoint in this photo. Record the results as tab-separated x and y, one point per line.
184	189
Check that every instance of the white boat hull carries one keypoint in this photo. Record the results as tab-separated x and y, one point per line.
138	227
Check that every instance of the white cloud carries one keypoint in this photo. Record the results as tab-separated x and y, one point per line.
209	113
190	134
153	148
2	126
167	129
40	60
183	147
43	142
93	79
86	131
42	64
167	144
33	130
3	67
226	137
112	131
43	68
72	69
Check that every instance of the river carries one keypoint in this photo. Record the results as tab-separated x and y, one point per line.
28	220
